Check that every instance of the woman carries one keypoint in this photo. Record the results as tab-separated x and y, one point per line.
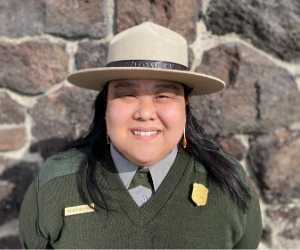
145	176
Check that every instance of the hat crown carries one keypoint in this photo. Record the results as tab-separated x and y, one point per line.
148	41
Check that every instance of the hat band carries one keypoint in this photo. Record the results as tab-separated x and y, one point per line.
147	64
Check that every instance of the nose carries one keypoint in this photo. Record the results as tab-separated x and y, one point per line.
145	109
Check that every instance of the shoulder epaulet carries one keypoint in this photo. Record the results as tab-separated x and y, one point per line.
60	164
199	167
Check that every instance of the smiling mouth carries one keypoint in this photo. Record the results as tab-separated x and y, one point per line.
143	133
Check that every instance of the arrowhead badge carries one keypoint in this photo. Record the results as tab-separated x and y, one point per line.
199	194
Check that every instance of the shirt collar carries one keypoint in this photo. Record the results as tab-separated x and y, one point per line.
127	169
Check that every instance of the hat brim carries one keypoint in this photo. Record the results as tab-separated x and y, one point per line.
96	78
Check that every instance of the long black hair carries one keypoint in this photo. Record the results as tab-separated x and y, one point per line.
220	170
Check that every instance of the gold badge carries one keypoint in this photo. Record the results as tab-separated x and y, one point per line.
199	194
79	210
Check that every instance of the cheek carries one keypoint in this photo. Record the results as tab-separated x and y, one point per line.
116	115
174	116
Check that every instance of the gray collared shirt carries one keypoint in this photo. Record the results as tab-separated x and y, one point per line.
127	169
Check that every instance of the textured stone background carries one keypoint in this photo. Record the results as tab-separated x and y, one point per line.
253	45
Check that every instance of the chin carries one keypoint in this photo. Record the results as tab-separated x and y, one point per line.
146	157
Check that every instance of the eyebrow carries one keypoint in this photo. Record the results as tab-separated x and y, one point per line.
166	86
136	86
127	85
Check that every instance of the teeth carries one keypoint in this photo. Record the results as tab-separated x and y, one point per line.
142	133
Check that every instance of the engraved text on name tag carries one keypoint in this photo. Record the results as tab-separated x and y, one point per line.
78	210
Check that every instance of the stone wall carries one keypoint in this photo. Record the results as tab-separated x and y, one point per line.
253	45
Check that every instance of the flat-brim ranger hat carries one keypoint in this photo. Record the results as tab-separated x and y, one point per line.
147	51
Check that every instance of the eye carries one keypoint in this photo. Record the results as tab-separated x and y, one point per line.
163	96
129	96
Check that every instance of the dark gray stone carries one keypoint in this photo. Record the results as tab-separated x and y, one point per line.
233	147
289	215
271	25
180	16
258	92
61	117
76	18
91	55
10	242
67	18
12	138
20	18
11	112
191	58
17	175
32	67
275	160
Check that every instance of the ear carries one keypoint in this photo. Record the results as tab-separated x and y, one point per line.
187	100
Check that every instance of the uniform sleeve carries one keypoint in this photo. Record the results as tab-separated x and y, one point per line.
253	229
29	233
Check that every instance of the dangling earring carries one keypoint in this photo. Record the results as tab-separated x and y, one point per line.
107	138
184	141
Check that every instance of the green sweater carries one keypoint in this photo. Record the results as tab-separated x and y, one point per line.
170	219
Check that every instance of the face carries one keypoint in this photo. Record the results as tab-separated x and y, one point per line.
145	118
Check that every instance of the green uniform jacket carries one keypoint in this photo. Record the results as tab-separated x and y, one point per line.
170	219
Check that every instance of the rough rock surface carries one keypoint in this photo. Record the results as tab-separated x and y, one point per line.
180	16
91	55
19	19
10	111
76	18
275	160
271	25
258	92
10	242
285	229
16	176
67	18
12	138
191	58
290	214
233	147
32	67
60	117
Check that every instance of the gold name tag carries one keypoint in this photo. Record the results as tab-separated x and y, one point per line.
79	210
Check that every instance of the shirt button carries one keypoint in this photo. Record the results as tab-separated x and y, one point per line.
143	199
142	175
